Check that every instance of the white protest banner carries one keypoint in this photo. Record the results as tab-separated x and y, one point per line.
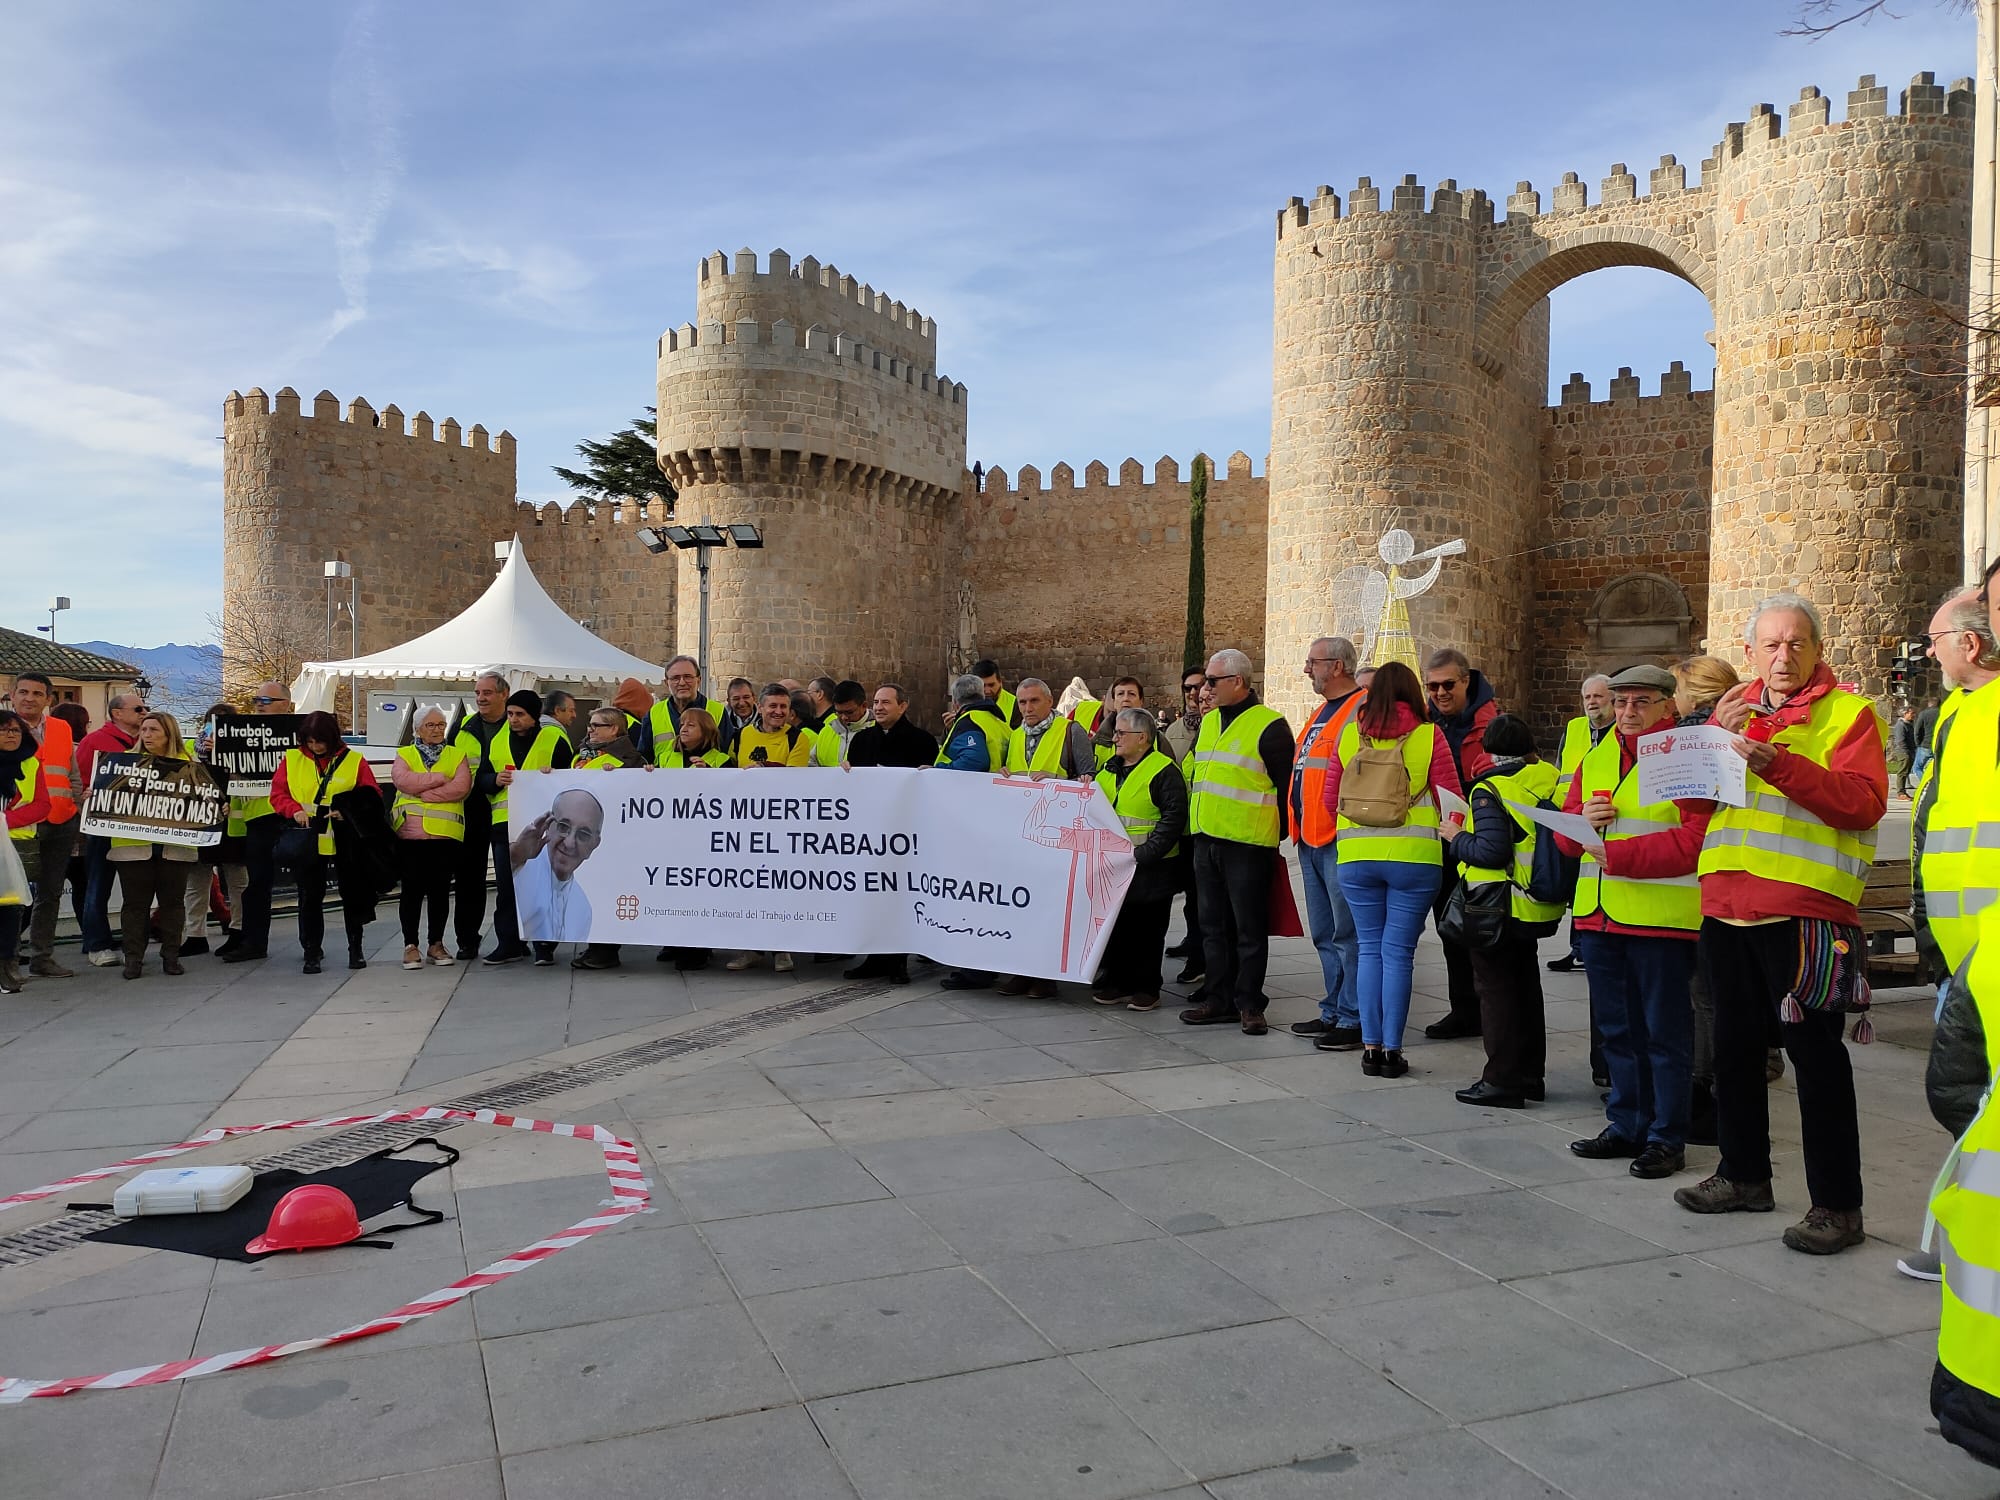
1695	761
155	799
248	748
982	872
1570	825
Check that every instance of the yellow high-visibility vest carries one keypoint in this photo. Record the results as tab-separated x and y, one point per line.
1523	788
1415	841
995	731
541	756
1575	745
1230	794
441	820
1960	805
1774	838
31	775
1048	752
302	777
1134	802
665	722
1967	1205
1666	901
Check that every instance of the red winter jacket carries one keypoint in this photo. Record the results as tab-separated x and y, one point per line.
1443	773
1650	856
106	739
1850	792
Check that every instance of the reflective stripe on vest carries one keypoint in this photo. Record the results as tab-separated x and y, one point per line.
1230	795
1960	868
1416	842
1310	763
30	775
1774	838
995	731
1523	788
1133	802
1667	901
302	779
1048	750
1575	745
540	757
441	820
56	754
1966	1206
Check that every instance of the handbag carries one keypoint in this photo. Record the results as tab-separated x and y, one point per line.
299	843
1475	916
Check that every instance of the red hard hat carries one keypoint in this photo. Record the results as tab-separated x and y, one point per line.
311	1217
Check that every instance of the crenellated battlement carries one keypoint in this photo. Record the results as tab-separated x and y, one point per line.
817	343
1097	475
807	293
252	405
625	513
1924	102
1676	380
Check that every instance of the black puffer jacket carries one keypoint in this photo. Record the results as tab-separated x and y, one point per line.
1955	1078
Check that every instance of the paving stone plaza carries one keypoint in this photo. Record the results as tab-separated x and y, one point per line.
909	1244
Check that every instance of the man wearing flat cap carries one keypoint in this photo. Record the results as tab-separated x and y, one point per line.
1637	917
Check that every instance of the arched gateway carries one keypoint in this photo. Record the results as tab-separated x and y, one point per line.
1410	370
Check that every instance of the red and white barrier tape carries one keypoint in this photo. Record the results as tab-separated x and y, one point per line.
630	1194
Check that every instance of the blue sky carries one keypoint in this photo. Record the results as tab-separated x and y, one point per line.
491	211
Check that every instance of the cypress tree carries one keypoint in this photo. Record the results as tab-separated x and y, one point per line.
1194	650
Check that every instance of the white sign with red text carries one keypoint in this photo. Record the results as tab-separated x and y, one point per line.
1699	760
981	872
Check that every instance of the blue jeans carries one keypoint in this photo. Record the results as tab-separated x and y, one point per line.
1332	926
1390	900
98	878
1639	999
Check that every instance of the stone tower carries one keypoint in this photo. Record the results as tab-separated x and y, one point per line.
810	406
1410	360
416	510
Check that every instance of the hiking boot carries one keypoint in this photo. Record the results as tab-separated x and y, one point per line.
1254	1023
1718	1195
1209	1015
1825	1231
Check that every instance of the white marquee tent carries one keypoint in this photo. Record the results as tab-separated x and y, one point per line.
514	628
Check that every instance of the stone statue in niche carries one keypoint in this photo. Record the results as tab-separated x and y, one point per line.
1369	606
968	622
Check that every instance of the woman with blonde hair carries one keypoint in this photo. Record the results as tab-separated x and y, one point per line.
698	742
1698	683
150	871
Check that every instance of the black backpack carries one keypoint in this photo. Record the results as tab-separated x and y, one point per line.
1551	873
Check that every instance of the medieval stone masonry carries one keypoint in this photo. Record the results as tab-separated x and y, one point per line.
1409	380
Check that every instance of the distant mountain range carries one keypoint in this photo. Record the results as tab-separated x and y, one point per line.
187	677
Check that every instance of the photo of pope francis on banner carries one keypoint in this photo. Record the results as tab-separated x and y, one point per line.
1025	877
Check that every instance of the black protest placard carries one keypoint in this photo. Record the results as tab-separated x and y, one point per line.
248	748
155	799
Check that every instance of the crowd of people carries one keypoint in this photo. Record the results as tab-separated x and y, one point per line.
1718	941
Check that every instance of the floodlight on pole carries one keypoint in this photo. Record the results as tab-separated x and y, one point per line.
701	540
334	571
56	606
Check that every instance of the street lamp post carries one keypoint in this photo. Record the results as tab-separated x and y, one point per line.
702	539
343	570
56	606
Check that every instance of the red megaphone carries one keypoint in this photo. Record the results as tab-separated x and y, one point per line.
311	1217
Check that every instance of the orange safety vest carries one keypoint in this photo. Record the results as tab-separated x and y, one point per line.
58	757
1310	764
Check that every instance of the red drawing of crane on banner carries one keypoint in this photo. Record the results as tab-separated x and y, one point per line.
1058	819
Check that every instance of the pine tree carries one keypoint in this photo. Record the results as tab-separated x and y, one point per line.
624	466
1194	651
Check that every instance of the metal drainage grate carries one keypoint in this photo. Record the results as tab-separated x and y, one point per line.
343	1146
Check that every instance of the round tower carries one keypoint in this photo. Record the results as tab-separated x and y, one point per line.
1381	419
810	406
1841	256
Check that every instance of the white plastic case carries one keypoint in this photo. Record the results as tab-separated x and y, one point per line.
181	1190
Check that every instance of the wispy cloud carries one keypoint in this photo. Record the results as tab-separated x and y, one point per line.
369	151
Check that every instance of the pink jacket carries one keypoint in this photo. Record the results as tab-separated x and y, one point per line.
1443	773
430	786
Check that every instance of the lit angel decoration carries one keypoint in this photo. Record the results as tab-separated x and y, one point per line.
1370	608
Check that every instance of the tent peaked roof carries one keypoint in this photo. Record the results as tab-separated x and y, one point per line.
513	628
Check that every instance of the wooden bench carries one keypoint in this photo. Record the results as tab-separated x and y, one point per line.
1885	917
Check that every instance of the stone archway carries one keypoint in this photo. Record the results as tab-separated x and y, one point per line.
1565	255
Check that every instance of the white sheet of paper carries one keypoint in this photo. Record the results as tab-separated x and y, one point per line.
1451	805
1569	825
1696	761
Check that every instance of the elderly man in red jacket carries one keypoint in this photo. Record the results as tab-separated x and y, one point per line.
1780	881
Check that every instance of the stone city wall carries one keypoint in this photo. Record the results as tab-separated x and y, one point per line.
1090	579
1625	490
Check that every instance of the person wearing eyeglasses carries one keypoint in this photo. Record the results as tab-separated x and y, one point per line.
1461	705
1965	1384
545	857
1238	814
1955	826
1330	668
1180	738
656	734
115	736
309	788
